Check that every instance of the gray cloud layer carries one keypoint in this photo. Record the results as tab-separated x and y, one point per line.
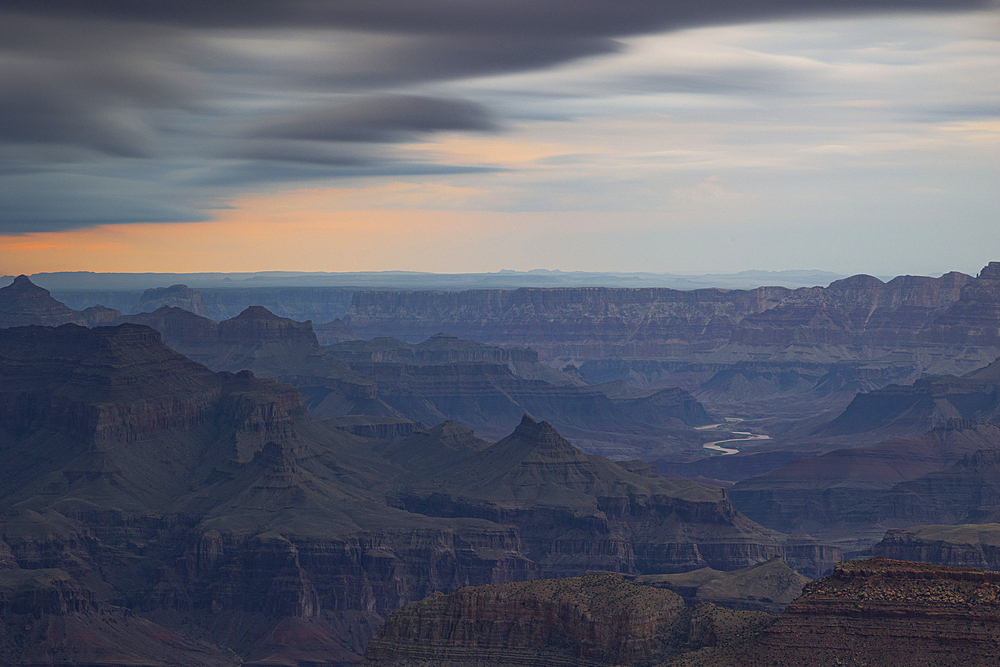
141	110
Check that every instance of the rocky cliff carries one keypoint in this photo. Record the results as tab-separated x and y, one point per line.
900	410
47	618
965	545
878	613
589	621
853	495
576	512
592	323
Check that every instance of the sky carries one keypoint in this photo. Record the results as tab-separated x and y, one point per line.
683	136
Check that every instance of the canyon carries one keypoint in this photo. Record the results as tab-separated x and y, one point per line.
194	479
214	505
870	612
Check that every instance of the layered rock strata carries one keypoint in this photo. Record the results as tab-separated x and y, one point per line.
577	512
880	613
589	621
855	494
965	545
214	505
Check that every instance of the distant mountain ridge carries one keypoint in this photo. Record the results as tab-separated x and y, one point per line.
91	281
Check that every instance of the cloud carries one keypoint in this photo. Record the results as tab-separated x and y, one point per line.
384	118
159	109
548	17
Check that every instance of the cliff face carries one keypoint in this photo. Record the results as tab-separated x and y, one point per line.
929	402
877	613
855	494
965	545
576	512
858	312
46	618
568	322
966	492
581	622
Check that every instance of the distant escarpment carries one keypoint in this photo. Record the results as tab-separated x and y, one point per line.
592	621
878	613
592	323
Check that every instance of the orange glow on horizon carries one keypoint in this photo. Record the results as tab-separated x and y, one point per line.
304	230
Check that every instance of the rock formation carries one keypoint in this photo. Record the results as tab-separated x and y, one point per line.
767	587
577	512
878	613
965	545
47	618
175	296
899	410
591	621
853	495
22	303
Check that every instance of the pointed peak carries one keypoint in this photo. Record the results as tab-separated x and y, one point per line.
541	434
23	284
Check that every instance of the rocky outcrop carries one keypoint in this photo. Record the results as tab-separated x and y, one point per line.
175	296
899	410
670	403
380	428
588	621
879	613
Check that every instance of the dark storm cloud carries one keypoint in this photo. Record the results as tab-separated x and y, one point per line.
384	118
510	17
260	172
